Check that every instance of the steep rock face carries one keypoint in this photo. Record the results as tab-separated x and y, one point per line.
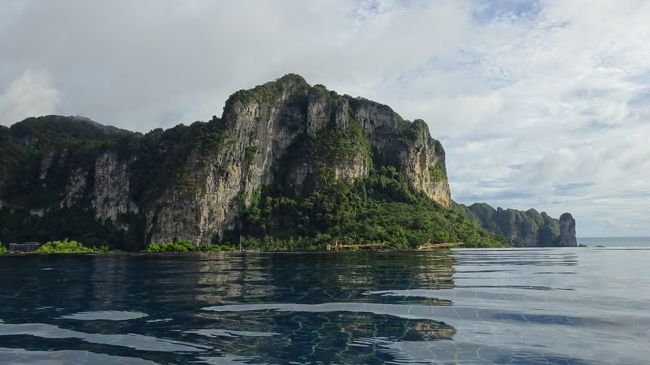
84	180
255	133
523	228
111	196
424	165
287	135
65	177
75	188
408	147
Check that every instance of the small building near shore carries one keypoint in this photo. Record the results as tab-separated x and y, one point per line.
24	247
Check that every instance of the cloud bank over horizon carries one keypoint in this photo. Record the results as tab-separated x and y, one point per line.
542	104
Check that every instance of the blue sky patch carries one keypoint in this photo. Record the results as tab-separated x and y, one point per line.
487	11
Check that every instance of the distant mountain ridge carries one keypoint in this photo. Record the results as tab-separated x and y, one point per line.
523	228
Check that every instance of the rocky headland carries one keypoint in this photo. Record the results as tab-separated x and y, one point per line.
286	162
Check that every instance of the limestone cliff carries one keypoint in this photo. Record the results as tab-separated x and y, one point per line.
192	182
291	135
524	228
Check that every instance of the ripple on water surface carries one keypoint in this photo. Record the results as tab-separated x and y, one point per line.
550	306
105	316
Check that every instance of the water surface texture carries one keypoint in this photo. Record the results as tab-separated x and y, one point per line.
519	306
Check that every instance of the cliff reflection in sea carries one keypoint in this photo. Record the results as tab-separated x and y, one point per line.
516	306
305	307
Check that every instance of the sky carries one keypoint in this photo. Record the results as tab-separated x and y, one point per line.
540	104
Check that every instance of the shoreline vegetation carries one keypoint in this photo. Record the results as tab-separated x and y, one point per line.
73	247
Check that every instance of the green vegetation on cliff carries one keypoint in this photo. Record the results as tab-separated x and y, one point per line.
437	173
378	209
324	168
45	147
381	207
266	93
186	246
19	225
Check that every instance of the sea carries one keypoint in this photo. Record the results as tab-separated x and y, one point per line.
461	306
615	241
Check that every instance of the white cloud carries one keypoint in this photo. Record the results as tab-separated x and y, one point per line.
31	94
539	104
572	112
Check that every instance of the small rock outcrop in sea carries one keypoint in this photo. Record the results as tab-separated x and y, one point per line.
523	228
567	237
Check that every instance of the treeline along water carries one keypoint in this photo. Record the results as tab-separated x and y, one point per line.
507	306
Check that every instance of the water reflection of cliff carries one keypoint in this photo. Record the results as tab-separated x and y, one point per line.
322	307
329	308
227	280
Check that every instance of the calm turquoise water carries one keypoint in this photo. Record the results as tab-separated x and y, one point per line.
523	306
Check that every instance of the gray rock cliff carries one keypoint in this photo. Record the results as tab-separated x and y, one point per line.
262	144
192	182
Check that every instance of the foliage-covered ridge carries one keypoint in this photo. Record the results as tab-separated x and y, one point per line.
286	166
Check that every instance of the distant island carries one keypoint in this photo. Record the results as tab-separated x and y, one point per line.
287	166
